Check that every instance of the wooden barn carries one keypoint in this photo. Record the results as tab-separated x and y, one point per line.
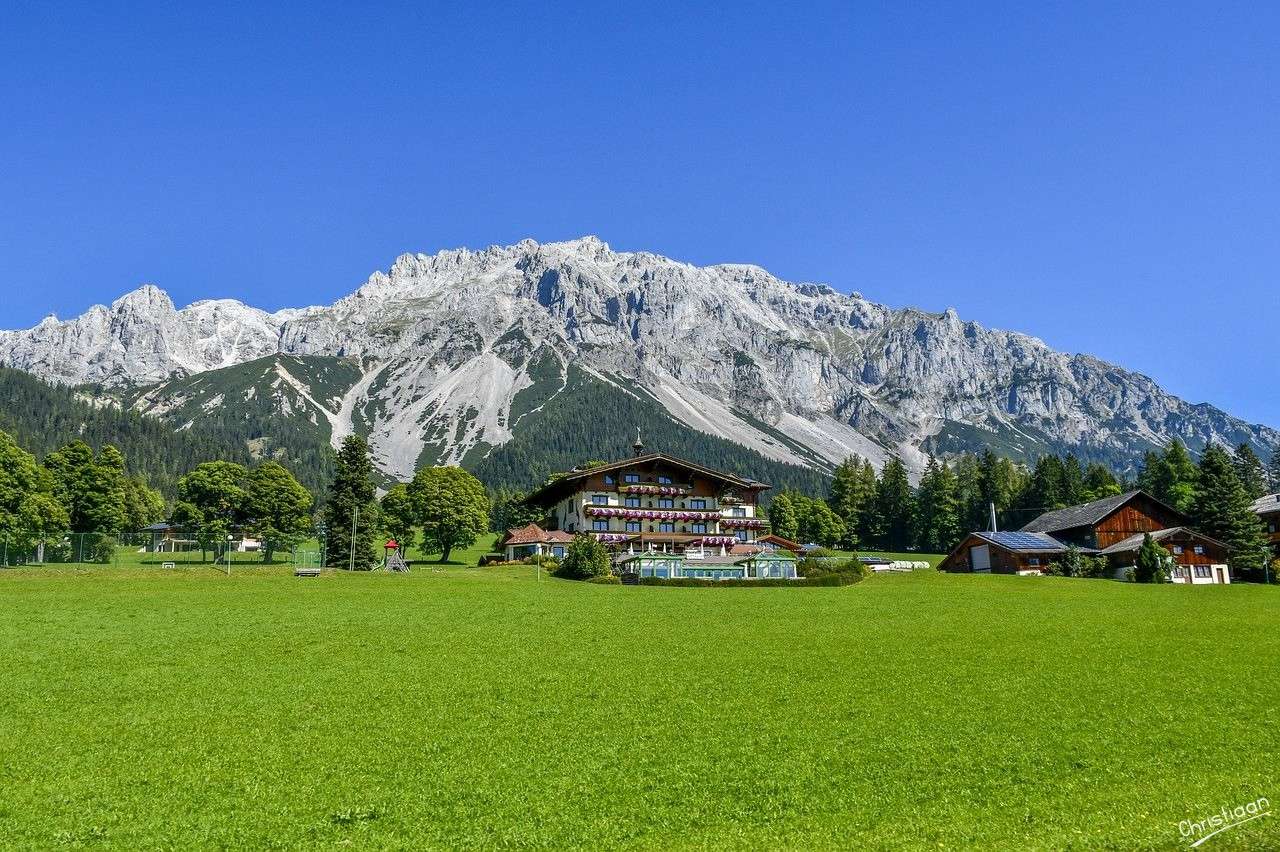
1102	523
1003	553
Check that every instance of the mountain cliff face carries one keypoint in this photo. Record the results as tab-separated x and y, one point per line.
450	356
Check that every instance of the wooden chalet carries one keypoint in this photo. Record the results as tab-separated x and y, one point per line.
1102	523
1268	509
655	502
1197	559
1113	527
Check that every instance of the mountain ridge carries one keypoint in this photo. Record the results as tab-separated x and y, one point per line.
445	344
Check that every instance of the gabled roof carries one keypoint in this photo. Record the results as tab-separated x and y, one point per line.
534	534
1267	505
1023	542
784	543
558	484
1133	542
1087	514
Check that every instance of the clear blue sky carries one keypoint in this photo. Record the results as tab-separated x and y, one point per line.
1104	178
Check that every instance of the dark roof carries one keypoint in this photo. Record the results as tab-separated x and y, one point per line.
1133	542
1024	542
1087	514
563	479
1267	505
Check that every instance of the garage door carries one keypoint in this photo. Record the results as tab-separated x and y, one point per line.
980	558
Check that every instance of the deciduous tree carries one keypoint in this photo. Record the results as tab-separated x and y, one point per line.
278	508
452	508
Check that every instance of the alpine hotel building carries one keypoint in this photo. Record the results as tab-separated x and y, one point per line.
655	502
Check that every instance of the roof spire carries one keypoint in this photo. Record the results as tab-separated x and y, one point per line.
638	446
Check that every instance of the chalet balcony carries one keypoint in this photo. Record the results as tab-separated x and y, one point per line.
697	515
673	490
743	523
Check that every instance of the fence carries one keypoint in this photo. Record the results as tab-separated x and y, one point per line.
154	548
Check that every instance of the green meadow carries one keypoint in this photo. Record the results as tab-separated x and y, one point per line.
461	707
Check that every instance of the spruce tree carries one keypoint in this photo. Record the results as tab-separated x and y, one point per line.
351	507
1223	511
1151	565
853	487
1099	482
938	525
1072	481
1273	471
895	507
1250	471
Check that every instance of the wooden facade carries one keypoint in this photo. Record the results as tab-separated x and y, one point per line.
1001	560
655	501
1140	513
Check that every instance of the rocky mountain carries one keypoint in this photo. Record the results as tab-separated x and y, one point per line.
461	356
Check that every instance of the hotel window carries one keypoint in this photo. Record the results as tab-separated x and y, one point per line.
631	477
664	480
608	479
739	512
633	526
599	500
667	526
742	535
697	528
600	526
697	504
633	502
1202	571
1199	550
666	503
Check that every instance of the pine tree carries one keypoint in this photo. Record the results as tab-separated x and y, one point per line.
895	507
783	520
853	488
1099	482
972	509
1223	511
1250	471
351	514
1273	470
1072	481
1151	564
939	515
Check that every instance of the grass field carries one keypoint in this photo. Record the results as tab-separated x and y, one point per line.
145	708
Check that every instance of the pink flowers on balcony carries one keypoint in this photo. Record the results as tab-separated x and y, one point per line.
652	514
665	490
742	523
716	541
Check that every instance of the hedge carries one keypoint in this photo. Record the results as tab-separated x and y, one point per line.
823	580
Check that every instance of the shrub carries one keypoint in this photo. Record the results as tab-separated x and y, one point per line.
772	582
585	558
1056	569
606	580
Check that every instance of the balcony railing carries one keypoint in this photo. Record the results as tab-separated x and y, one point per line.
653	514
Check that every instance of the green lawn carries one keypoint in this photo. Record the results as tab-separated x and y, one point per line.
470	707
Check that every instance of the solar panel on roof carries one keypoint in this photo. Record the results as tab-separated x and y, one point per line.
1022	541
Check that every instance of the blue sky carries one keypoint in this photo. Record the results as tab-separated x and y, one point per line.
1104	178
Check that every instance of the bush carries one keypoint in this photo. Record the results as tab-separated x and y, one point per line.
773	582
1055	569
812	567
606	580
585	558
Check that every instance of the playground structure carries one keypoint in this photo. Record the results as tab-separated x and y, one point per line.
393	558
